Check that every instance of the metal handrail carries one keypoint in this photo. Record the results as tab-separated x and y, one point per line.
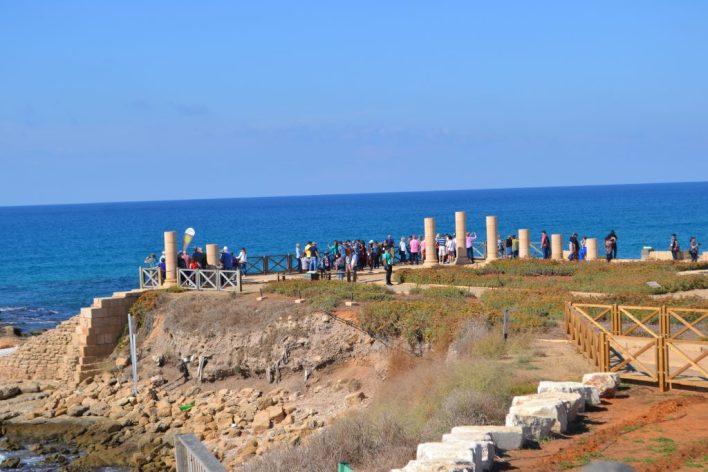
192	456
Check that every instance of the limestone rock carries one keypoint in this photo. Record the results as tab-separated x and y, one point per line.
9	391
504	437
480	454
573	402
261	422
605	382
590	394
353	399
547	408
536	427
436	466
77	410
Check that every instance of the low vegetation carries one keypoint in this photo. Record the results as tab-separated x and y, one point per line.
597	276
326	295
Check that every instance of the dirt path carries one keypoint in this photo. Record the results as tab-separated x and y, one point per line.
647	430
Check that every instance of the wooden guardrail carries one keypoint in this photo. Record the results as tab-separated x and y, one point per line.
663	345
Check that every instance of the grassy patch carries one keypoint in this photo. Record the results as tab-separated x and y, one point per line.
597	276
325	295
629	429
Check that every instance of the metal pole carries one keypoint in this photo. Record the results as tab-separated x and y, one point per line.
133	353
505	323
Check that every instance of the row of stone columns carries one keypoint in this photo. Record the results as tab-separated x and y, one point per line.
492	237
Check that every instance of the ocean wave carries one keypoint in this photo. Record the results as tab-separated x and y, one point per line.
27	309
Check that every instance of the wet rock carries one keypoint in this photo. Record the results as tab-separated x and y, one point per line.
10	463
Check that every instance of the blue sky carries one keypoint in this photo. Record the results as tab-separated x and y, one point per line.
114	101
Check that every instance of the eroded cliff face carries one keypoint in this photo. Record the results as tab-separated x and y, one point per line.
275	373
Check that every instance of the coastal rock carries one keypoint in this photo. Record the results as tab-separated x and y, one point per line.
261	422
77	410
353	399
10	463
9	391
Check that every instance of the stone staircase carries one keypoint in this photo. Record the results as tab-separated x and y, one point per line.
530	418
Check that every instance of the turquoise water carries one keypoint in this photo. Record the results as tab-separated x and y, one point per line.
57	258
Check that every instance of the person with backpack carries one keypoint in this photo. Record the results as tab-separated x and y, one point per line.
674	247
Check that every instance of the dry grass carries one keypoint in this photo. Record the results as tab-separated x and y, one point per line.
326	295
425	399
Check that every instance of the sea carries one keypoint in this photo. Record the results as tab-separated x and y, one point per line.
56	258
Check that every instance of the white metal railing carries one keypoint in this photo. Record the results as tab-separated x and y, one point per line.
192	456
150	277
209	279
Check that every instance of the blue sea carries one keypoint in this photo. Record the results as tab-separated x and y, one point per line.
58	257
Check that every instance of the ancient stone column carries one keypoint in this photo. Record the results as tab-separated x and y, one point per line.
170	258
523	244
557	247
460	237
492	236
212	255
430	253
591	246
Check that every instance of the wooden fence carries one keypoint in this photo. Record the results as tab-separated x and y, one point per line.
662	345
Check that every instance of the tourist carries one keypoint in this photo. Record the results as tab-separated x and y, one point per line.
313	258
545	245
198	256
450	248
574	247
388	266
509	245
415	249
340	265
185	257
181	264
514	246
242	259
583	254
500	247
226	259
470	238
325	265
608	248
613	237
674	247
442	250
193	265
163	268
693	246
351	263
298	255
402	250
422	250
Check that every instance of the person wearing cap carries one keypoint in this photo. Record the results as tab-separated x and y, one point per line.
227	259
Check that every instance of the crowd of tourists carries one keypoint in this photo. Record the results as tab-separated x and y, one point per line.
198	260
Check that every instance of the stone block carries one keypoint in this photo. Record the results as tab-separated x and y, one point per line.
590	394
573	402
478	453
436	466
548	408
536	427
605	382
504	437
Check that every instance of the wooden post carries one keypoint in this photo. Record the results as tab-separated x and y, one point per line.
265	264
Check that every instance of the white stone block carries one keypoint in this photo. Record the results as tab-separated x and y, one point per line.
536	427
436	466
504	437
548	408
606	382
574	402
590	394
480	454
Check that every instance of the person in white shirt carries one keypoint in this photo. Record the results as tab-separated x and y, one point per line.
242	260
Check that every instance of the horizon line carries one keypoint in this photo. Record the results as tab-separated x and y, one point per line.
116	202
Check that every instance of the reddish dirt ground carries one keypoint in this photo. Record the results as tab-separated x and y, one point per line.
641	427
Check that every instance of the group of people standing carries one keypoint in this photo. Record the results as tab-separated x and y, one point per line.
675	248
198	260
577	247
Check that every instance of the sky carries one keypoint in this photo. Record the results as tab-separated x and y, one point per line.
160	100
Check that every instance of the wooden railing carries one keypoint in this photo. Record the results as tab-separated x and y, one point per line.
150	277
662	345
192	456
209	279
